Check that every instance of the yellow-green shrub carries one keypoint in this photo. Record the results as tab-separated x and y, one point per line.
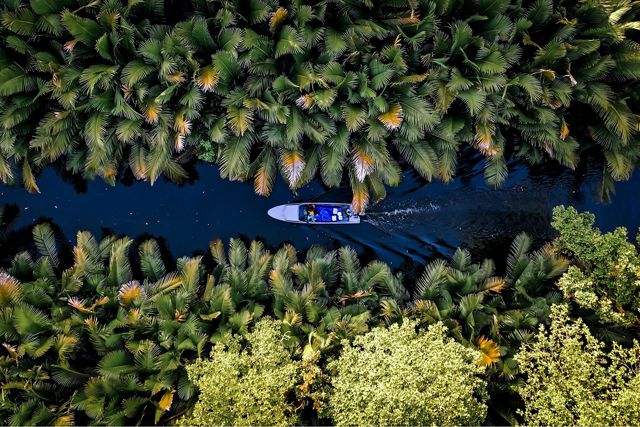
605	276
571	379
396	376
246	384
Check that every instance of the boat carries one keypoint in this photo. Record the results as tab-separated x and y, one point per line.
315	213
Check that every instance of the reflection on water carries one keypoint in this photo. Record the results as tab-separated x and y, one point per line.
416	222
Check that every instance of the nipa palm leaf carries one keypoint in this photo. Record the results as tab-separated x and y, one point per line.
45	242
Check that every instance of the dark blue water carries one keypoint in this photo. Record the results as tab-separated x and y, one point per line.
417	220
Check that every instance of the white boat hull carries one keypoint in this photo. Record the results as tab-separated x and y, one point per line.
291	213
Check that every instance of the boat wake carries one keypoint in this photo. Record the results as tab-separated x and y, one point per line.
396	217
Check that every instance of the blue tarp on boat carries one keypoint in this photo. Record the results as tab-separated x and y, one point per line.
323	213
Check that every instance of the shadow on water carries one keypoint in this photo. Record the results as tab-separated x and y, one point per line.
415	223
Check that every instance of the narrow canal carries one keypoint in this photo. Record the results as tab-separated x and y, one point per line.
417	221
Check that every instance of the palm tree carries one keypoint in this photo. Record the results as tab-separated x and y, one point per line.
321	99
71	90
104	348
103	336
345	90
493	313
329	297
101	332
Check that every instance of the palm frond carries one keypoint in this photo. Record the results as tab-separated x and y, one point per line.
85	30
45	241
151	262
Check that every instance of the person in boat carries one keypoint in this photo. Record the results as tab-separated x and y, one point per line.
311	213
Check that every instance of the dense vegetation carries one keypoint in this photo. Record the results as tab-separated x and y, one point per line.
344	90
111	332
247	383
606	274
394	376
572	379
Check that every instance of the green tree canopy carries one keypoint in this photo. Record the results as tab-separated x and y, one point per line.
605	276
396	376
346	91
571	379
102	334
109	325
246	383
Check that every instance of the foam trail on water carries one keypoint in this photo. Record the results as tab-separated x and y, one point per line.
400	216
